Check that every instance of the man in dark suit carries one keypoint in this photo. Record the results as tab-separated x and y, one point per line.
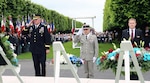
39	44
135	35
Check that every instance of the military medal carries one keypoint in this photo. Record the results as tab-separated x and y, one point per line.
41	30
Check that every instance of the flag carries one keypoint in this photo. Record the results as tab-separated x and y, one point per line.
18	28
73	30
28	20
43	22
11	26
22	24
3	27
52	26
49	28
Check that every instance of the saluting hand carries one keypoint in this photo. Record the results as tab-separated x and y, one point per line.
30	23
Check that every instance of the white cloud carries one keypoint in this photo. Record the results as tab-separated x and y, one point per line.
77	8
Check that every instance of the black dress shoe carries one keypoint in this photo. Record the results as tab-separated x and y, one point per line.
87	76
91	76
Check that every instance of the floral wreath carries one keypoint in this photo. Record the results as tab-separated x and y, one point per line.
109	59
8	50
78	62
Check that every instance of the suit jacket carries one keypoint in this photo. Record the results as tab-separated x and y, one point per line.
147	36
40	39
89	47
137	38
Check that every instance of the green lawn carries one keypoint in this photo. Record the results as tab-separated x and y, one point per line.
69	49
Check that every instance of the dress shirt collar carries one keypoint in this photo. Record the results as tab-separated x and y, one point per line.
36	26
131	29
88	35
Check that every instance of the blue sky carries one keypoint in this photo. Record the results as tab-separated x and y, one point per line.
78	8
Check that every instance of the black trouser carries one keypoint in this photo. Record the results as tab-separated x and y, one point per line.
39	64
147	41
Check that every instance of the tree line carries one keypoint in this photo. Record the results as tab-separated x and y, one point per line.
117	13
22	9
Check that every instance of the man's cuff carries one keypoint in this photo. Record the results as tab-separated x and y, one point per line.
25	29
47	46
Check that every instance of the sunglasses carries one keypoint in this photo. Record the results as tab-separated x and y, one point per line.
86	26
85	29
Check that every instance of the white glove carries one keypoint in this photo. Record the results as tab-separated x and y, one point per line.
94	59
80	32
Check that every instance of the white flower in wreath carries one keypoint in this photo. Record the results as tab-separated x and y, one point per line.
138	52
17	68
106	53
62	60
12	47
15	55
112	58
117	50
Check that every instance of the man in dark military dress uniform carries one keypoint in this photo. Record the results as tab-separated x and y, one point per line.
39	44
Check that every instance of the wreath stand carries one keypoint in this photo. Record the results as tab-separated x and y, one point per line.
126	49
59	49
8	65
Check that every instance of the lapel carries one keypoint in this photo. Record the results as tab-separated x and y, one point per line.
33	27
84	38
128	34
39	26
90	36
136	33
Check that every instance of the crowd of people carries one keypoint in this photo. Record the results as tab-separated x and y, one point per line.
22	43
107	36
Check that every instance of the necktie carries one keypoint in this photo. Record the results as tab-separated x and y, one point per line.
132	34
86	36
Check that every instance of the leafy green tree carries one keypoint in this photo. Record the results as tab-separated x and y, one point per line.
25	8
117	13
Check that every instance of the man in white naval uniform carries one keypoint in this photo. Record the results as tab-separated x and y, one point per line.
89	49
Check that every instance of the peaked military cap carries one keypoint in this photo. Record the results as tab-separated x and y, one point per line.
86	26
36	16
